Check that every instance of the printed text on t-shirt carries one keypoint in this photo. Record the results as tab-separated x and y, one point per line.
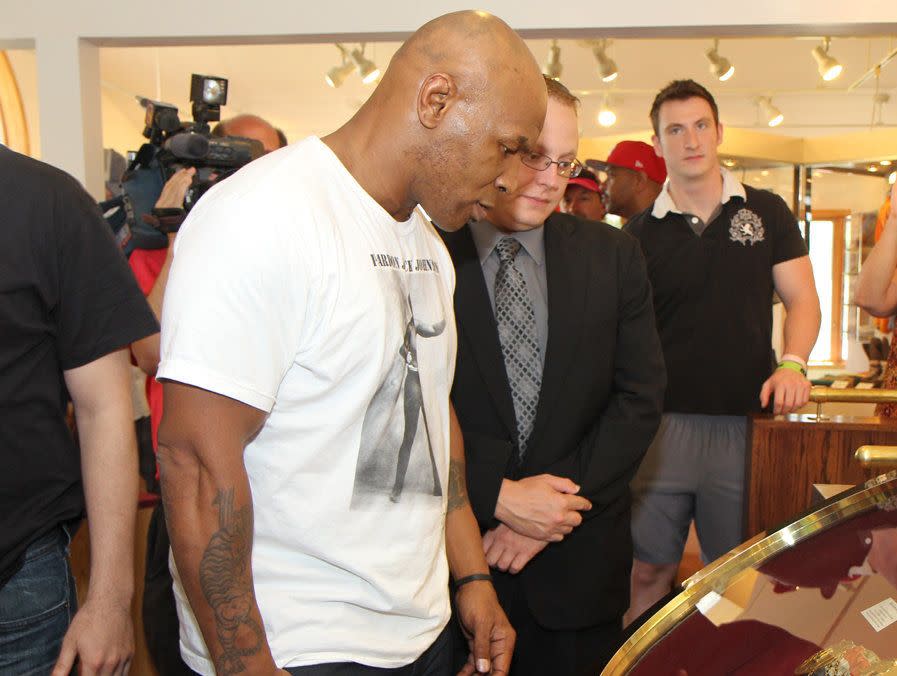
406	264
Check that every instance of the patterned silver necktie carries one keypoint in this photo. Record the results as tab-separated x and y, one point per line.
517	335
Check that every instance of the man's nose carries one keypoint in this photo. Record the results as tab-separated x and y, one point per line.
507	179
548	177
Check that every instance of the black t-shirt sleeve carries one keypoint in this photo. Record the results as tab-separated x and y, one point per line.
99	306
787	240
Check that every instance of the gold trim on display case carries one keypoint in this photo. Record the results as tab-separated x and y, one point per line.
719	575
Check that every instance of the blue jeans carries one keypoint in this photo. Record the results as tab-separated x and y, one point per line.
36	606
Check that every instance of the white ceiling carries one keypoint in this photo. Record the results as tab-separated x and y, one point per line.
284	83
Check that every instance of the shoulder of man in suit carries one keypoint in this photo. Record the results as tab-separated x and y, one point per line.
579	226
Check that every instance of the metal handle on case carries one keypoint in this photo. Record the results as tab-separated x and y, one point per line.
877	456
821	395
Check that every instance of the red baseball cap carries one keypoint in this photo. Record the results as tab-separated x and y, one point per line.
635	155
587	180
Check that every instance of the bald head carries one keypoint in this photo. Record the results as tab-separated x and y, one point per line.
460	98
466	44
250	126
479	55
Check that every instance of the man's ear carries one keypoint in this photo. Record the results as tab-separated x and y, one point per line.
435	98
642	180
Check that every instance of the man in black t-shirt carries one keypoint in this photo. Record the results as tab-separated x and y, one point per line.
69	308
716	250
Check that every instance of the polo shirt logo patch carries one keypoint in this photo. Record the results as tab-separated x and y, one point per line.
746	227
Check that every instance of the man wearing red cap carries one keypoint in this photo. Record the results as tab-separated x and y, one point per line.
635	176
584	197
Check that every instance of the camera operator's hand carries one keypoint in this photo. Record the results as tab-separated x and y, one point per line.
175	189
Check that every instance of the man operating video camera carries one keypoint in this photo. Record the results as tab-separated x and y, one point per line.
150	267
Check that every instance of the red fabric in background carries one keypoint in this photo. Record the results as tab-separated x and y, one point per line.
146	264
744	648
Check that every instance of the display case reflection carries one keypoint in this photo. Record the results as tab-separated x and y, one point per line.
818	596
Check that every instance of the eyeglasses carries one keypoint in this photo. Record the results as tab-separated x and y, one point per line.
539	162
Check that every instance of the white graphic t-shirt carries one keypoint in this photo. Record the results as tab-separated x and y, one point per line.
293	291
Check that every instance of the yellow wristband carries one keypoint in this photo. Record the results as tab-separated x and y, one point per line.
793	366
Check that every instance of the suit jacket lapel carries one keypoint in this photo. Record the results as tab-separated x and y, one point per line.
567	272
476	324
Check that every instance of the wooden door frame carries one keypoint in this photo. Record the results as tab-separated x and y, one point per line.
12	112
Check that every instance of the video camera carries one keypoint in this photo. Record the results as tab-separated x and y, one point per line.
173	145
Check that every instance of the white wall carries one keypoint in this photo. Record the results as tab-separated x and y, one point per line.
66	33
848	192
105	19
24	67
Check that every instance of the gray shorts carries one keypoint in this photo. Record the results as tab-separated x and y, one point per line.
694	469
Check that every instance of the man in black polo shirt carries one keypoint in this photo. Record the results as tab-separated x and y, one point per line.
69	308
716	251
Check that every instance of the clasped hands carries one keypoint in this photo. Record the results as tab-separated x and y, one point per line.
533	512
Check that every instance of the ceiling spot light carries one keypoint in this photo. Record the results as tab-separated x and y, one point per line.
553	66
885	163
771	114
872	168
720	67
607	68
352	60
367	69
829	67
892	177
729	163
338	74
878	103
606	116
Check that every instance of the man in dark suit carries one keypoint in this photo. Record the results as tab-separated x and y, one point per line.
558	388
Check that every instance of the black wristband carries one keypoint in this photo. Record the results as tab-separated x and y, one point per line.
165	220
164	212
472	578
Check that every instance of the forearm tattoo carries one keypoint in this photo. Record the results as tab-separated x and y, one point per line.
226	579
457	488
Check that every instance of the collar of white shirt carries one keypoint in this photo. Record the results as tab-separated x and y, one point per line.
664	203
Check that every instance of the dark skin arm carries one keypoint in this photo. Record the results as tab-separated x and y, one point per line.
490	636
208	507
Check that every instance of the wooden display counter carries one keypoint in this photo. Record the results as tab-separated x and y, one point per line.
788	454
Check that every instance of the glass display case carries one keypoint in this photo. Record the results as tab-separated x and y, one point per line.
816	596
